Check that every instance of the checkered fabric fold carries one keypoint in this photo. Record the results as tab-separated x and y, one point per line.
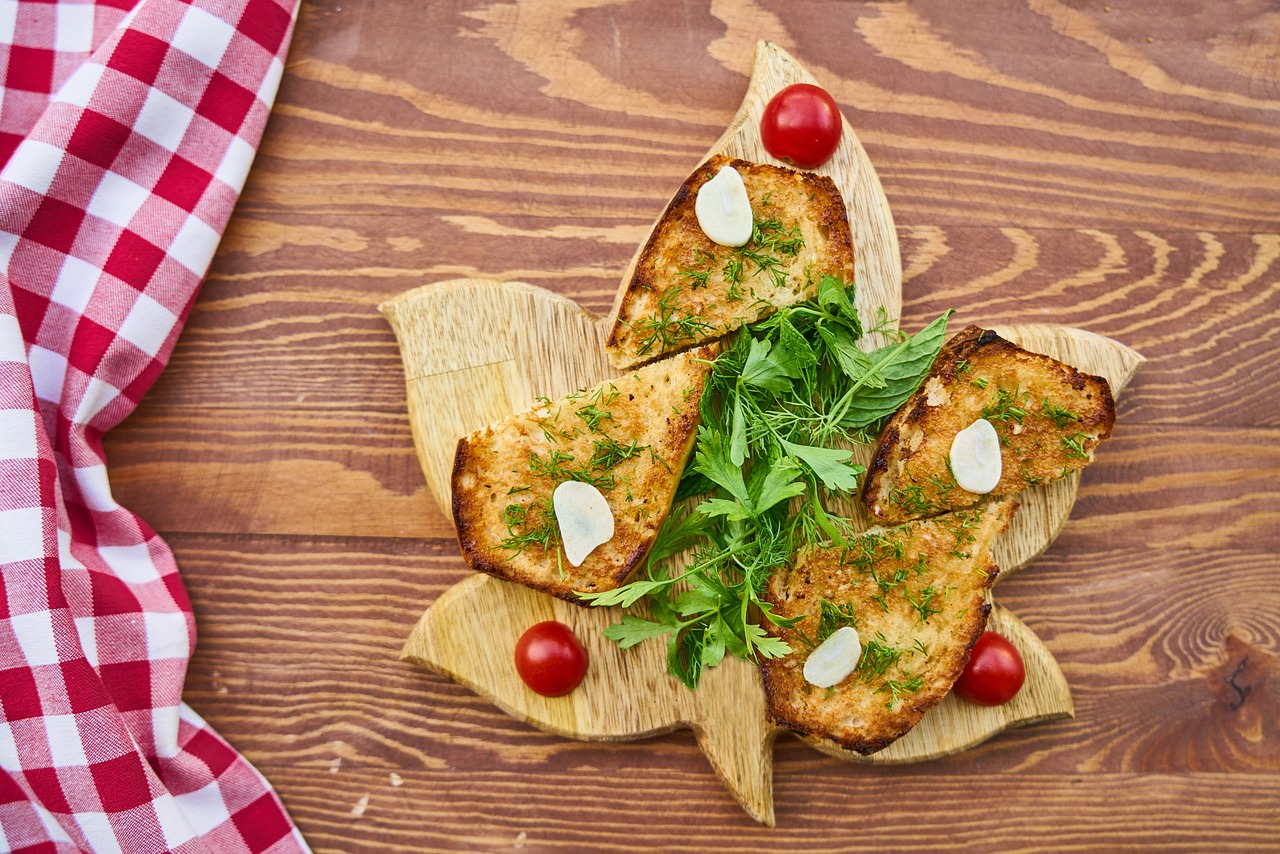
126	130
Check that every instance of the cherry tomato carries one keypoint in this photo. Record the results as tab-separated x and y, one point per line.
994	673
801	125
550	658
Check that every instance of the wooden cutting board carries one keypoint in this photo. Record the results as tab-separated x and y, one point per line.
476	350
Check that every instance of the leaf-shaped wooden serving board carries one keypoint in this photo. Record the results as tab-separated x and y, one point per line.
476	350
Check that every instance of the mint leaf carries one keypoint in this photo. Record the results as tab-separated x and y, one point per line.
857	365
793	352
903	367
832	291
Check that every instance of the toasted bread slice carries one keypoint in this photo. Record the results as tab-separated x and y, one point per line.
684	289
916	594
630	437
1049	418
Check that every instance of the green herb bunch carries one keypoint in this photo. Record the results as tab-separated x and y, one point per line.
777	404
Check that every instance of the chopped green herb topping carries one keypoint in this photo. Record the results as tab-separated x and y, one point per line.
610	453
552	466
1073	445
832	616
1004	407
922	602
1060	416
908	685
910	498
530	525
668	328
878	655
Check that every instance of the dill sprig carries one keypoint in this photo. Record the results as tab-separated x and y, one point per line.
1004	407
732	272
1060	416
1073	445
832	616
669	327
610	453
922	602
771	236
966	523
531	525
552	467
910	498
907	685
596	411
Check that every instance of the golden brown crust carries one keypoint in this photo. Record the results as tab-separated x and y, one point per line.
924	581
1049	416
666	306
518	462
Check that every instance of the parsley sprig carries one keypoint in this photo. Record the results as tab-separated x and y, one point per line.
776	407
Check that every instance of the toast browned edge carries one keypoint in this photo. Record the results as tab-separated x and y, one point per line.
640	277
964	345
915	707
480	560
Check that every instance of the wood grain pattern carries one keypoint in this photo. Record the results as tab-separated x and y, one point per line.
1045	162
1187	664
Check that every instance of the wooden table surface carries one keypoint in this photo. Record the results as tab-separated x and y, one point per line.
1114	168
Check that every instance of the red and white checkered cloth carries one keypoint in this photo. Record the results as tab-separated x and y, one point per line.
126	130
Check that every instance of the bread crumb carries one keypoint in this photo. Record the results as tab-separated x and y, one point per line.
396	779
936	392
360	807
334	764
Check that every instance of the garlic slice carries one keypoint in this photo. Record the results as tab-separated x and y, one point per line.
723	209
975	457
584	518
834	659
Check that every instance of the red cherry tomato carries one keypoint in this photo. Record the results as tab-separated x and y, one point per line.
550	658
994	673
801	125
